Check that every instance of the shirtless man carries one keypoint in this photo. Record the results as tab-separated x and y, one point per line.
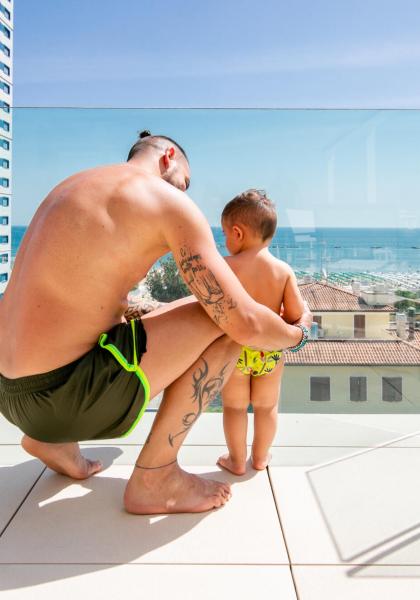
69	361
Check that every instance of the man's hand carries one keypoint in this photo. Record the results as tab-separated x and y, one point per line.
306	318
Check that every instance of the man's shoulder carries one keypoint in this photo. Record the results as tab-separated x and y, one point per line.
151	194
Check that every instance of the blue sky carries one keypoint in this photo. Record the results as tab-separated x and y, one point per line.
347	168
323	53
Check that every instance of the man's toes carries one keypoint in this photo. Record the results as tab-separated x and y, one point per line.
225	496
226	488
90	468
218	501
226	493
94	466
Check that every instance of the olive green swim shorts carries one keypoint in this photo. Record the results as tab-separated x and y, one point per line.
101	395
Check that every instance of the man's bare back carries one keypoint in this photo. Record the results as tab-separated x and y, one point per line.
92	239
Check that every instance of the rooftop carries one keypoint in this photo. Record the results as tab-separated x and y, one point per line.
414	342
356	352
324	297
289	532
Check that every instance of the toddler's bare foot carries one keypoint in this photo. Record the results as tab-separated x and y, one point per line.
63	458
235	467
259	464
172	490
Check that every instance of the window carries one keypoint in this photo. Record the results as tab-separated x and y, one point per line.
4	182
4	163
4	201
4	125
4	11
4	239
320	388
392	389
5	144
4	87
4	68
358	389
4	220
4	29
4	106
5	49
3	277
4	258
359	326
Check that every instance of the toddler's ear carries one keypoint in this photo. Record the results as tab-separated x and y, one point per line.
238	232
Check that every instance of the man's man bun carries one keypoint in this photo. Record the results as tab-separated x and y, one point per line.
152	141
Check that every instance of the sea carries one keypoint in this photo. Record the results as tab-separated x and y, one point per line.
330	250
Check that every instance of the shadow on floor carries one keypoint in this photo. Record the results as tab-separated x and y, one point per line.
84	524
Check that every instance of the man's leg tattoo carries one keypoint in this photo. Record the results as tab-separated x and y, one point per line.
204	391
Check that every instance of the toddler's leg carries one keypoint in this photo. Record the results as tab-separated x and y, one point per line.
265	393
235	396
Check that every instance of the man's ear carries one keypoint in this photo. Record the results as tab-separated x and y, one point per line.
169	154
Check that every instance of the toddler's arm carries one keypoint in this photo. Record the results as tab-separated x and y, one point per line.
293	306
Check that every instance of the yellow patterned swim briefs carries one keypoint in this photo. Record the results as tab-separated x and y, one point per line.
257	362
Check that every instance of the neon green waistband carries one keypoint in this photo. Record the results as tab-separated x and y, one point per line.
131	368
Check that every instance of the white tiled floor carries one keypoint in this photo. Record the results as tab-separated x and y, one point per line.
334	517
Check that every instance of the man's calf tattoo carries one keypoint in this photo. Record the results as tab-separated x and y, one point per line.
204	391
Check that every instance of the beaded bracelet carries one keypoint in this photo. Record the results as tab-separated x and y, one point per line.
305	336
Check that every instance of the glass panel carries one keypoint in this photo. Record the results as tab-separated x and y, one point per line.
5	49
346	186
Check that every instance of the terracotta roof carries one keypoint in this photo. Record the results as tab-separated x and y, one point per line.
324	297
414	342
355	352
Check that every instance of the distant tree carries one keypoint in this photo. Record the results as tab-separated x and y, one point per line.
165	283
404	305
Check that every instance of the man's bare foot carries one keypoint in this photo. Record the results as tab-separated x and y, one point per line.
63	458
235	467
172	490
259	464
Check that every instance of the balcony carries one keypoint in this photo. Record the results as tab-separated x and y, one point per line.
334	516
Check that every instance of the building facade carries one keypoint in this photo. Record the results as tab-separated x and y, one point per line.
341	314
6	95
352	376
355	363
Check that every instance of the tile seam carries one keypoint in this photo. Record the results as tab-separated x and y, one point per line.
282	532
22	502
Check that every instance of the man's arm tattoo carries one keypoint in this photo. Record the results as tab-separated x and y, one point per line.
204	285
204	391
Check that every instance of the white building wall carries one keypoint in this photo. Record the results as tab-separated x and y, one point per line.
6	96
296	389
341	324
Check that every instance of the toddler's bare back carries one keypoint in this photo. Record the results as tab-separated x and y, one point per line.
268	280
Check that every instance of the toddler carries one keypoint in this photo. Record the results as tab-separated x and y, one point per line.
249	223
